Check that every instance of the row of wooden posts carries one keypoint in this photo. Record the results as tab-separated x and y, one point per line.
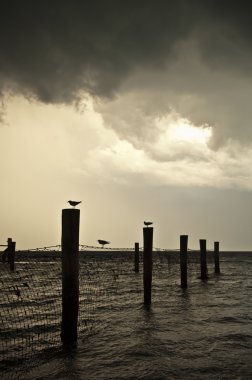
147	261
70	269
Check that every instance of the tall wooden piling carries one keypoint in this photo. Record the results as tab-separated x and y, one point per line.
203	260
136	257
147	263
11	251
70	275
216	258
183	260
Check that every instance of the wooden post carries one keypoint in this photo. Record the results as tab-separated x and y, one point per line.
9	242
11	251
136	257
183	260
203	260
70	275
216	258
147	263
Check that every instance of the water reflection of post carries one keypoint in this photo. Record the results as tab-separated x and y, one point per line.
183	260
216	258
203	260
136	257
147	263
70	275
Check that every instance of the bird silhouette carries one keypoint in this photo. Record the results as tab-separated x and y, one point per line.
148	223
103	242
17	291
73	203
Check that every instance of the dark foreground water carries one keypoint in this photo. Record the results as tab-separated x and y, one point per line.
202	333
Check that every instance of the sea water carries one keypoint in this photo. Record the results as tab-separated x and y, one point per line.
203	332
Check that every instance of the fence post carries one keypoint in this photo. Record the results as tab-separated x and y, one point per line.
147	263
216	258
9	242
11	251
203	260
183	260
70	275
136	257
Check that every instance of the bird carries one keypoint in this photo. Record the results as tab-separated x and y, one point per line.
73	203
148	223
17	291
103	242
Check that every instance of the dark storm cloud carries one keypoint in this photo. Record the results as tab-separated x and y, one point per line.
53	49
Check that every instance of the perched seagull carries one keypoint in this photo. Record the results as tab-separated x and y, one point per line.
148	223
73	203
103	242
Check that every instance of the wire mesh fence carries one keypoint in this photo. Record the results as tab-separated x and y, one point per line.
30	304
30	297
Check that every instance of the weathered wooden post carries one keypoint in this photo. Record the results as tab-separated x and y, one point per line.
136	257
203	260
11	251
147	263
9	243
70	275
183	260
216	258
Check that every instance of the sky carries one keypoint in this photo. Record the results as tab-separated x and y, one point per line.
140	109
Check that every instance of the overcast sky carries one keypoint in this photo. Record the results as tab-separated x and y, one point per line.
141	109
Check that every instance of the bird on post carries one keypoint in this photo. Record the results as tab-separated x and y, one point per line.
148	223
103	242
73	203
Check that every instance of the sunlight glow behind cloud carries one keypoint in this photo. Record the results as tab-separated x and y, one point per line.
62	141
184	131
